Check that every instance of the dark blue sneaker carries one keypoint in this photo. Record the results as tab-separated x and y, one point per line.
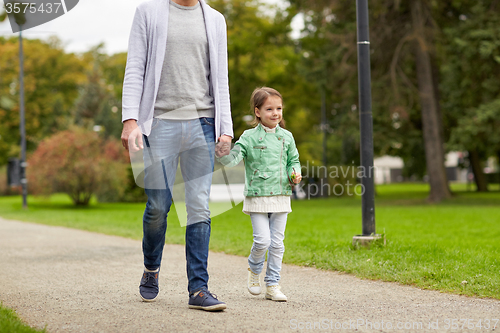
149	286
205	300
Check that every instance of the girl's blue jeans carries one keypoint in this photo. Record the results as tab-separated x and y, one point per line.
188	143
268	236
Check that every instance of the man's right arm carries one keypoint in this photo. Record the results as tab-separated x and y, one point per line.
133	81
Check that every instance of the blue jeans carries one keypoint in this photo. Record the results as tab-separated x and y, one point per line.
189	143
268	236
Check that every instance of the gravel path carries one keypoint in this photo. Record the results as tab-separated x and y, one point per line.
76	281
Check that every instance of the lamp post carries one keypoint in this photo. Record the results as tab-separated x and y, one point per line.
366	127
24	181
20	19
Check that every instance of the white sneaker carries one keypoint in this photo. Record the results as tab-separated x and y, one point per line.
253	283
274	293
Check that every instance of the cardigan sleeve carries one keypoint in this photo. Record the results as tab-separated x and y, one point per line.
135	69
226	123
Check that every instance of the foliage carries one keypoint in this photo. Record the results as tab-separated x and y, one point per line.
79	163
3	15
61	89
132	192
261	53
459	33
5	189
329	50
99	100
3	181
51	80
470	90
478	130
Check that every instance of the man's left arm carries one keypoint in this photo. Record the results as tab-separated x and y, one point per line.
226	122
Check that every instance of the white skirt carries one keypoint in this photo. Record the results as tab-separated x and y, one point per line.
271	204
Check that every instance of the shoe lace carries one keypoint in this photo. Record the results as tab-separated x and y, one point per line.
213	295
274	289
150	278
254	279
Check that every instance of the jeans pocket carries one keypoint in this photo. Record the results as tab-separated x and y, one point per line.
208	121
155	123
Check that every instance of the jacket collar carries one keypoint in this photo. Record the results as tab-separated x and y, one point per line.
279	131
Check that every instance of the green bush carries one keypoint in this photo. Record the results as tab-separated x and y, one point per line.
79	163
128	191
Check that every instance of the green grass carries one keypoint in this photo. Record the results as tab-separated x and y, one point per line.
10	322
431	246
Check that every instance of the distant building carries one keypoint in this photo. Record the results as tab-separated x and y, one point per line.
389	169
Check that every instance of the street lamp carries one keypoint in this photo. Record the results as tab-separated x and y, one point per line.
366	127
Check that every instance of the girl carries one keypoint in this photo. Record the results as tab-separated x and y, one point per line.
271	165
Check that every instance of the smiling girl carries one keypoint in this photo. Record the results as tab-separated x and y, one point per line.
271	167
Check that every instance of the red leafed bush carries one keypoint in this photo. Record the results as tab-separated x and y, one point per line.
80	163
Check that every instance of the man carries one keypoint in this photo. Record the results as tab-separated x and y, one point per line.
175	105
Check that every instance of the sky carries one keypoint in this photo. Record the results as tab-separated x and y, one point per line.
84	26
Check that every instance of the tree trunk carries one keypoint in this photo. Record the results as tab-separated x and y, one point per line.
431	122
477	170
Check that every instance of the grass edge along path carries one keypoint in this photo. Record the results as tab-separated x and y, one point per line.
451	247
11	323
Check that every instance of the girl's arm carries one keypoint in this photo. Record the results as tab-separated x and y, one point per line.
235	155
293	163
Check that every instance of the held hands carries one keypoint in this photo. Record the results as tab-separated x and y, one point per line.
222	149
223	146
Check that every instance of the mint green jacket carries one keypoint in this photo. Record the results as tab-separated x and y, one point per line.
270	159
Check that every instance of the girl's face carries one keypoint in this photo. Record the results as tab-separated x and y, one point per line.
271	112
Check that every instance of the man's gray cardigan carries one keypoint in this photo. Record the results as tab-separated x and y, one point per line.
146	52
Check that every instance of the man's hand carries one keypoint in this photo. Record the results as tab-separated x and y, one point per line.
131	132
225	138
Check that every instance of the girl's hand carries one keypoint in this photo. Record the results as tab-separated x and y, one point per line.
296	177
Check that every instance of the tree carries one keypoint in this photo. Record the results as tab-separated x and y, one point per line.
478	133
99	100
327	69
261	52
397	83
79	163
51	87
432	124
471	46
